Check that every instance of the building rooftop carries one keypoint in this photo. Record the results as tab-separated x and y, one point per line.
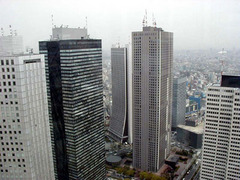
198	129
113	159
230	81
173	158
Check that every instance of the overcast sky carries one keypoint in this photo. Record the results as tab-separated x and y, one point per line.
196	24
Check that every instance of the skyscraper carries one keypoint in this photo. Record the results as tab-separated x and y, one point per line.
152	54
221	149
179	102
25	151
119	129
75	102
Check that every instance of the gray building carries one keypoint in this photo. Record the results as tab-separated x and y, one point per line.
190	136
179	102
152	54
118	129
75	102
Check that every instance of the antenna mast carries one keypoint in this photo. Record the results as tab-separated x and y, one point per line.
146	16
222	61
2	31
10	27
86	23
154	21
52	21
143	22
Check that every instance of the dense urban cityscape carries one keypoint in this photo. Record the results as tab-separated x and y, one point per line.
78	109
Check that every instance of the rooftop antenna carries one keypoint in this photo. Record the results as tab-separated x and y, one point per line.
52	21
2	31
10	27
222	52
118	42
154	21
86	23
146	17
143	22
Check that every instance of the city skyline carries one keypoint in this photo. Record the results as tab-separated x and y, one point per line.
199	24
166	104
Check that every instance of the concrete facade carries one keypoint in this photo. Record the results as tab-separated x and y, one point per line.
25	151
221	149
152	55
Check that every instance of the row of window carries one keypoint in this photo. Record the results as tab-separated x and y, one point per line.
7	62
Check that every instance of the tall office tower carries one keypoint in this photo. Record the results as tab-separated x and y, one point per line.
11	44
152	52
179	102
75	102
25	150
118	129
221	149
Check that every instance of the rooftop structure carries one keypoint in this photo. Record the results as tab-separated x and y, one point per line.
11	44
66	33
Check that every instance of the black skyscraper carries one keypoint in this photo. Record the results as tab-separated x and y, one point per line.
75	89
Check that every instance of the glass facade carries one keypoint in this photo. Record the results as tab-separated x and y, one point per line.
75	94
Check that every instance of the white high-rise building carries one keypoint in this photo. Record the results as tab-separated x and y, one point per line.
221	141
120	125
152	54
25	150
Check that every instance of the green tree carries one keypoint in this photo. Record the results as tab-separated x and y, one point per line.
130	172
142	174
120	170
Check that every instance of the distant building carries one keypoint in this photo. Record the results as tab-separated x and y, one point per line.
24	123
152	54
75	102
221	150
11	44
197	99
179	102
192	120
119	124
191	107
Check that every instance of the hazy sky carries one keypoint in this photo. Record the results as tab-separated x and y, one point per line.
196	24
